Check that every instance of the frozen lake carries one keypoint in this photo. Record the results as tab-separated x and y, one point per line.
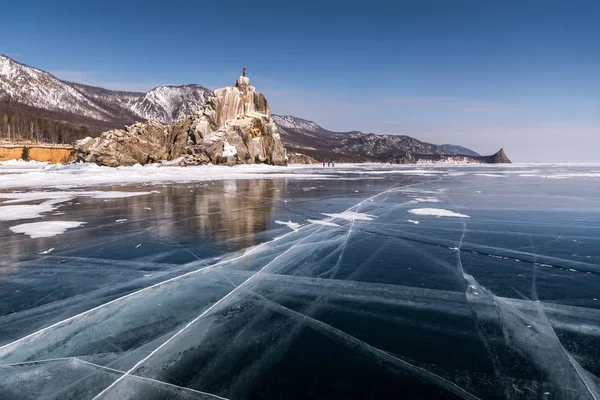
359	281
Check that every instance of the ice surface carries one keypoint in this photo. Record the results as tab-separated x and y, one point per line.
204	293
436	212
45	229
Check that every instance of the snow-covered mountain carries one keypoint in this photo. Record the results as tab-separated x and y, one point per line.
290	122
33	87
22	84
170	104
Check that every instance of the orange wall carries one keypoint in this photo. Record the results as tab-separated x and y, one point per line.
52	155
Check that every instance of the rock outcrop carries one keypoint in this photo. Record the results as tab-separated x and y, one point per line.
235	127
299	158
411	158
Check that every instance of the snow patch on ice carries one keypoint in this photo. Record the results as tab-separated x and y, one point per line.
292	225
321	222
14	213
45	229
413	222
427	200
47	251
436	212
492	175
352	216
36	196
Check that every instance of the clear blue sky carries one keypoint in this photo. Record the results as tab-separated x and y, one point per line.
485	74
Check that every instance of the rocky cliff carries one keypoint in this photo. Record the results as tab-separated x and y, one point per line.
235	127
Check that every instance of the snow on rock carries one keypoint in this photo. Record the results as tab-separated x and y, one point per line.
46	228
292	225
229	150
352	216
436	212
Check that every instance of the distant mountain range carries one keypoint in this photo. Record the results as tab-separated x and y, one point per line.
32	91
24	85
306	137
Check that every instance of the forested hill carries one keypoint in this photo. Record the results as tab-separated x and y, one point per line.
20	126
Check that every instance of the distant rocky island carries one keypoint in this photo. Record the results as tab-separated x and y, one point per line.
235	127
187	125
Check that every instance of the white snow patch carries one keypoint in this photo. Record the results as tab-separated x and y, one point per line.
47	251
14	213
292	225
45	229
121	220
321	222
66	195
436	212
30	211
174	162
413	222
427	200
228	150
352	216
492	175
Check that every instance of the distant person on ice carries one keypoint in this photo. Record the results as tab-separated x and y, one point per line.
244	72
329	163
323	163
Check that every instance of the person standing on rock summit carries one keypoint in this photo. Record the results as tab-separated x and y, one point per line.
244	72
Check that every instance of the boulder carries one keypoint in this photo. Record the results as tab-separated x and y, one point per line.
299	158
235	127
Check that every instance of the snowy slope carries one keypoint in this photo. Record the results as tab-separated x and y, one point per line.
290	122
20	83
169	104
36	88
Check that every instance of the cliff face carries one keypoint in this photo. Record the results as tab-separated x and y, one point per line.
235	127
